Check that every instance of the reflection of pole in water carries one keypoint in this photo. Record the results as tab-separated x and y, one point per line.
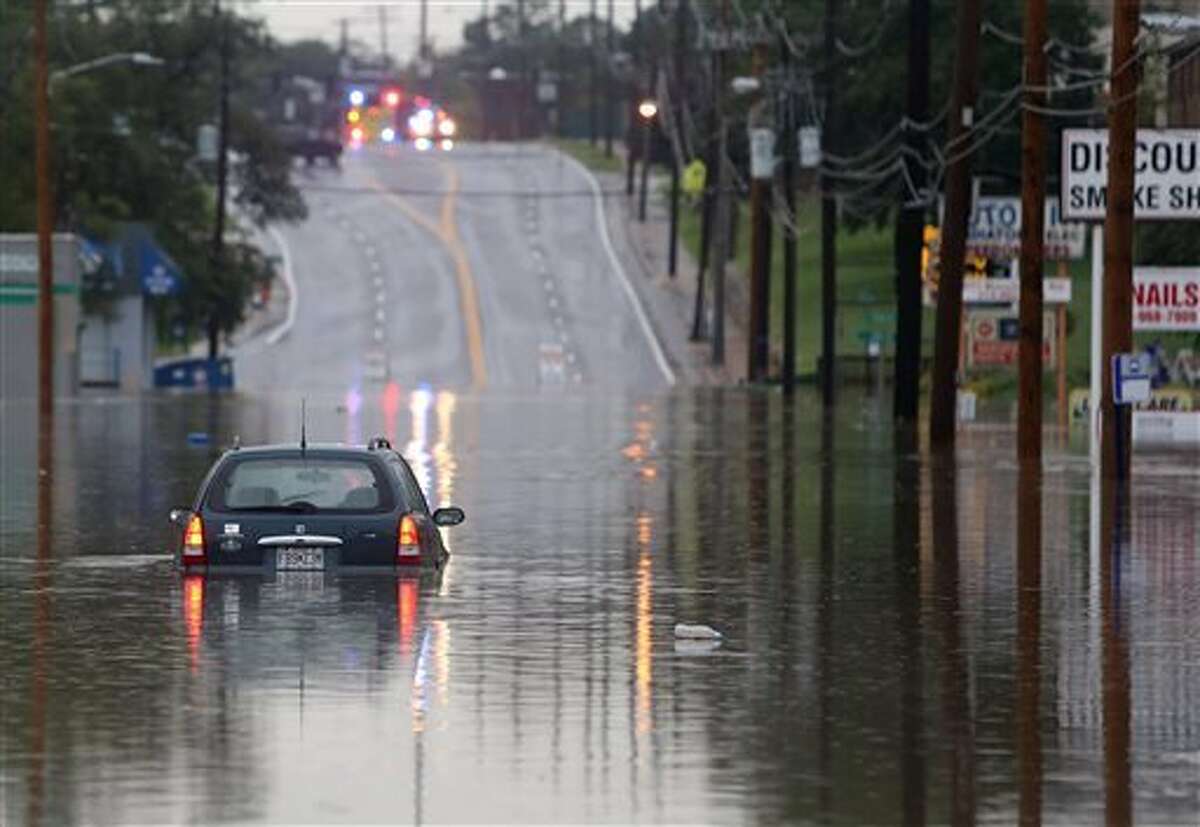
825	677
1114	655
906	544
1029	634
954	673
41	632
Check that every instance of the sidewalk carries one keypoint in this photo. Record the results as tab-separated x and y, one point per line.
670	302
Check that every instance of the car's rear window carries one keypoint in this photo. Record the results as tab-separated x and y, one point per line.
308	484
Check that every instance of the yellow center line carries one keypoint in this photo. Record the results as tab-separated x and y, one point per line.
447	232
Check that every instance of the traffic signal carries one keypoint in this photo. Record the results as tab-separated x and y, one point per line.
392	98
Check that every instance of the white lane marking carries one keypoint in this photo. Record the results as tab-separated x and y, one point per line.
289	279
374	265
369	252
549	285
379	315
558	321
571	358
379	297
378	335
553	302
377	281
655	347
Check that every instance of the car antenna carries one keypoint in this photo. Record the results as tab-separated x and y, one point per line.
303	425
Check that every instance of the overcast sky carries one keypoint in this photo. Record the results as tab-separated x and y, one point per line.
300	19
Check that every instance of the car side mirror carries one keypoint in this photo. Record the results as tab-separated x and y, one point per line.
449	516
179	516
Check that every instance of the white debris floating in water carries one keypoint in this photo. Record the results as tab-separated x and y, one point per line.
690	631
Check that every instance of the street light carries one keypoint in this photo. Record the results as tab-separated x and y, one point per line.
647	109
135	58
44	81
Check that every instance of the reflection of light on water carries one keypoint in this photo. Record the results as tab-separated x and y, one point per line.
420	700
353	423
644	624
406	612
441	659
415	452
391	406
193	614
443	457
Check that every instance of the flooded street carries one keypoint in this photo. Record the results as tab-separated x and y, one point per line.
901	644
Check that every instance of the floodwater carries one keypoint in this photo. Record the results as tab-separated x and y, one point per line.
905	641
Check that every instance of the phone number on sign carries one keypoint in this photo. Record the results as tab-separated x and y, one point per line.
1173	318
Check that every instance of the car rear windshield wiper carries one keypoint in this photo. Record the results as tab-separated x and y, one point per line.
290	508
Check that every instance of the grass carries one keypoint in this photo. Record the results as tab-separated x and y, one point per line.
590	156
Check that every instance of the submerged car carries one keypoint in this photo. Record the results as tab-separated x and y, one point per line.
311	508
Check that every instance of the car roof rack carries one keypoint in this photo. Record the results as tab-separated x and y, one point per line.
377	443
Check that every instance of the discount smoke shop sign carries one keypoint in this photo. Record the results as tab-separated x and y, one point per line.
1166	174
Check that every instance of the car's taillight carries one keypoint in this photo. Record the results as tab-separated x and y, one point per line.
408	541
193	542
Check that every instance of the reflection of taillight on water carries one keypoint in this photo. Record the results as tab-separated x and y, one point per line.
447	144
408	541
193	613
406	612
423	144
193	542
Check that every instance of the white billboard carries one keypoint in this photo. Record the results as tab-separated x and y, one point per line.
995	230
1166	298
1166	174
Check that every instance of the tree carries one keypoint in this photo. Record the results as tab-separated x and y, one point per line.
124	139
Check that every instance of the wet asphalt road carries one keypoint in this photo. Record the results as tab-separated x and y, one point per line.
902	644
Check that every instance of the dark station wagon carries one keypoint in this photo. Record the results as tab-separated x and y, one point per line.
311	508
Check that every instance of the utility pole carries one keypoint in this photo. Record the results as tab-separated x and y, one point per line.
218	241
720	238
760	244
910	223
954	233
632	105
679	99
609	113
383	38
788	151
423	46
593	86
561	82
828	213
45	230
344	40
647	135
1033	209
1118	232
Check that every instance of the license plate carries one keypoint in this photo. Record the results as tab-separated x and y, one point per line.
300	559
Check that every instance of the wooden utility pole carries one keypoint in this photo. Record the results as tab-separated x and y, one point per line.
383	33
1033	209
760	250
721	208
828	213
610	113
45	231
954	232
1118	230
788	150
218	241
593	85
679	100
910	223
561	67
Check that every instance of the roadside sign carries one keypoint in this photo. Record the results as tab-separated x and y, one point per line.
693	178
1008	291
1131	378
995	230
1166	169
1166	298
810	147
993	338
762	153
